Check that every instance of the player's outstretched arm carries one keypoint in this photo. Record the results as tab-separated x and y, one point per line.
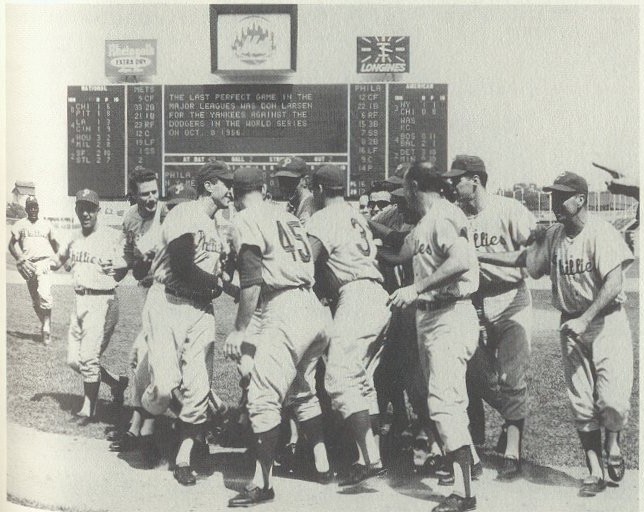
504	259
393	257
456	264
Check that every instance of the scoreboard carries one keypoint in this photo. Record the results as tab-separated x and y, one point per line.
366	128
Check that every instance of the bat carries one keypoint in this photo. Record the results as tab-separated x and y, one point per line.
614	174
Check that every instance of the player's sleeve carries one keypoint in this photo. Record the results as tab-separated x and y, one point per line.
521	224
447	231
318	227
178	224
246	231
538	254
15	230
611	251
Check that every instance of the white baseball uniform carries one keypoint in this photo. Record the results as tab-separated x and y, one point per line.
33	238
497	372
142	235
599	367
179	325
446	320
95	313
361	313
291	335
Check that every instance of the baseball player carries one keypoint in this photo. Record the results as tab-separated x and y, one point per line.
586	258
276	272
378	201
345	254
445	275
33	242
497	371
95	260
292	174
178	318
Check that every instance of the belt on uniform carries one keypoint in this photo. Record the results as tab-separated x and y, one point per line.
435	305
194	296
612	308
492	290
90	291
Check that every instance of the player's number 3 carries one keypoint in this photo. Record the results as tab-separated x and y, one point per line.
287	244
364	247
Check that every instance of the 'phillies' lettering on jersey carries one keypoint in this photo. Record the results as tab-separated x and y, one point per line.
430	242
286	253
504	225
188	218
347	238
85	254
578	266
34	237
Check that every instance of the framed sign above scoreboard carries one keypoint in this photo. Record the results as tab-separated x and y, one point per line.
367	129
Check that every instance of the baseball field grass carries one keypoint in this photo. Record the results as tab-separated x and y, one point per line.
42	391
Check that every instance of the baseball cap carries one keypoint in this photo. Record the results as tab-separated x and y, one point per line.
399	192
291	167
178	193
87	196
330	176
247	179
31	200
381	195
214	170
397	177
466	164
568	182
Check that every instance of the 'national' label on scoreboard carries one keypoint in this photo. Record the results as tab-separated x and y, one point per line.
383	54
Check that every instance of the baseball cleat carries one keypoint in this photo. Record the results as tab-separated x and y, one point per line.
591	486
184	475
510	469
253	496
324	477
126	442
456	503
359	473
616	467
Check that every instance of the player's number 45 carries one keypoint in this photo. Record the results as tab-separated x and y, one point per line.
286	242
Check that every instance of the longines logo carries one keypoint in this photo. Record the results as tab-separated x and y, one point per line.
254	40
383	54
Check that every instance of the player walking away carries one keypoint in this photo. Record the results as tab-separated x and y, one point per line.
95	260
586	259
33	242
497	371
445	275
178	316
276	272
292	174
345	255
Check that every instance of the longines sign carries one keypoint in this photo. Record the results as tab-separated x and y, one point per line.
383	54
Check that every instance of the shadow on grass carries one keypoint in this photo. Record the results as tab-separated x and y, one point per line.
35	337
106	411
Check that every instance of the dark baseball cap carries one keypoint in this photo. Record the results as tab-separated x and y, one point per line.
214	170
178	193
87	196
466	164
291	167
398	176
399	192
247	179
568	182
330	176
31	200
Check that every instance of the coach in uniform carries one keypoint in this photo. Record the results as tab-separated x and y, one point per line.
445	275
178	316
586	258
497	371
33	242
92	258
345	254
276	271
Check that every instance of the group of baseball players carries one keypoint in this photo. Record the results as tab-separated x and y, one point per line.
421	301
